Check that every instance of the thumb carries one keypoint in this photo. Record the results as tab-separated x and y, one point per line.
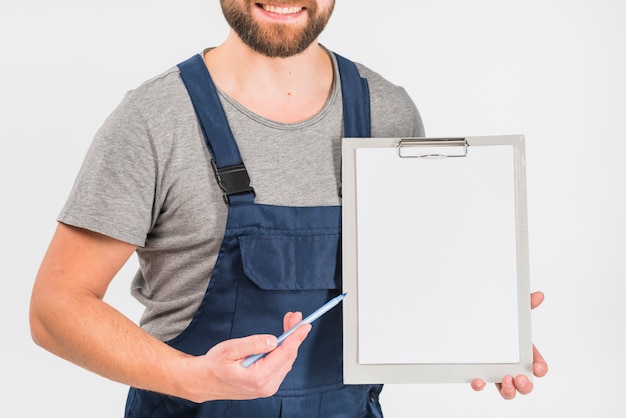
239	348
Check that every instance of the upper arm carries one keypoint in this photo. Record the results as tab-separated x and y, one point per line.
80	261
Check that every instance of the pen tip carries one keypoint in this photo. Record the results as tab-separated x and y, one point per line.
343	295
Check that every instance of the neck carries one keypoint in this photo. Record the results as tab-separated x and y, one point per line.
285	90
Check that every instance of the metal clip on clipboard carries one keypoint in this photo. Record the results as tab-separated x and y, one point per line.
432	148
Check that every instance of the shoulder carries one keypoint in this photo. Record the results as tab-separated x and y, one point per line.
378	82
393	111
159	110
166	91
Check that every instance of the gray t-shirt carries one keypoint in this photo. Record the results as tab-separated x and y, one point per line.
147	180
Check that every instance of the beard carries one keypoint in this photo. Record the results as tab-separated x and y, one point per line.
275	40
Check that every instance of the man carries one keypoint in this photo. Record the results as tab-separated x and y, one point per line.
230	234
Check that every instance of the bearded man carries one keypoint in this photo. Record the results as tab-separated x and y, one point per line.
223	175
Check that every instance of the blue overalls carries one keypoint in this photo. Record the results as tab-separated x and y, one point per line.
273	259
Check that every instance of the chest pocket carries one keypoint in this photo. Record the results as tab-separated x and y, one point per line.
289	273
284	273
277	262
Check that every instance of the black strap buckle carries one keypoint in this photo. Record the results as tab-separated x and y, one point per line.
232	180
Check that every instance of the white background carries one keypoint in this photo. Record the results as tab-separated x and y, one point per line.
552	70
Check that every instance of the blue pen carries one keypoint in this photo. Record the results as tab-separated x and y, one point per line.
319	312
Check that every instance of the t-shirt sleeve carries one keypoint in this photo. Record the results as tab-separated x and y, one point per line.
114	191
417	125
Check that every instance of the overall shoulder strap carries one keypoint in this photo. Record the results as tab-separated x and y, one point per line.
228	166
356	100
227	163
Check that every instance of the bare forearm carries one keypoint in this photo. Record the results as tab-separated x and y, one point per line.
86	331
69	318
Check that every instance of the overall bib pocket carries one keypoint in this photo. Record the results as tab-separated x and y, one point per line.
289	273
279	262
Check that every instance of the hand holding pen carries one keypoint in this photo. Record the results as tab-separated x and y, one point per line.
308	320
219	373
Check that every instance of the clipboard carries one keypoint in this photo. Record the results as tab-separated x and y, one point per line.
435	260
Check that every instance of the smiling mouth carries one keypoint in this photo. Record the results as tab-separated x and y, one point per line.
281	10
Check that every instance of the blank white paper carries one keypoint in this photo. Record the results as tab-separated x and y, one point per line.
436	249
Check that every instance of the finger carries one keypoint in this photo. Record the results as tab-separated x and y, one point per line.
540	367
298	336
507	388
240	348
478	384
536	299
283	357
523	384
291	319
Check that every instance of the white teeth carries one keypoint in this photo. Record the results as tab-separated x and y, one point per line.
281	10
